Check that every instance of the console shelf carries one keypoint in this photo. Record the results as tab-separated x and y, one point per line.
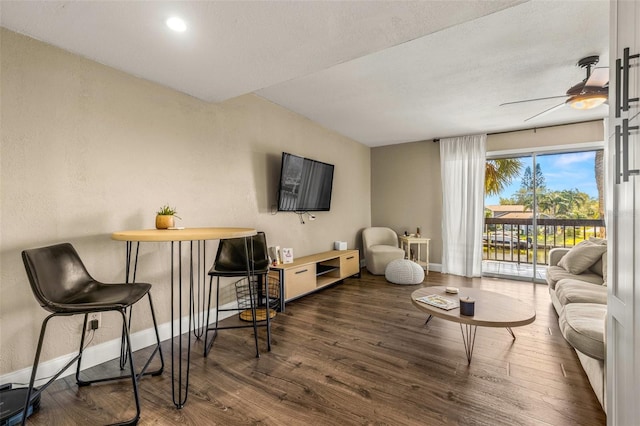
324	269
310	273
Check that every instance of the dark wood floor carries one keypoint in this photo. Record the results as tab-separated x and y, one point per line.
360	353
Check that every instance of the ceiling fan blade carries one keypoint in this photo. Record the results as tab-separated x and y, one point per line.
598	78
546	111
532	100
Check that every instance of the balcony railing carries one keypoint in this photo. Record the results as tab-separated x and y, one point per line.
511	240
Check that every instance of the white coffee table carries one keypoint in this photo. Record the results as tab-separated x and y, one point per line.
491	310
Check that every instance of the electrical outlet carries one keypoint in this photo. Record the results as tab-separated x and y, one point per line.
96	316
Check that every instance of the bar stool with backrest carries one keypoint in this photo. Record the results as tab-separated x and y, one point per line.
242	257
61	284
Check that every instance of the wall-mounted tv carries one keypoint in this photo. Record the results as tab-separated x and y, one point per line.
305	184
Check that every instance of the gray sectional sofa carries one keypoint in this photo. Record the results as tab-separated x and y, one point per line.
578	289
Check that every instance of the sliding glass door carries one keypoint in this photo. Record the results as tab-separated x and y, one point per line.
536	202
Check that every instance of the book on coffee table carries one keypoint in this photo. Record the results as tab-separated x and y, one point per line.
439	301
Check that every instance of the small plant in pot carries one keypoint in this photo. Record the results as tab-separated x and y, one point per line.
165	217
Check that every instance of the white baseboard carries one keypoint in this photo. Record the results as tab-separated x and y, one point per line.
103	352
435	267
106	351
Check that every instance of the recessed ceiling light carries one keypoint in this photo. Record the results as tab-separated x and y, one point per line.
176	24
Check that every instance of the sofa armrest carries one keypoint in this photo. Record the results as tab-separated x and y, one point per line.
556	254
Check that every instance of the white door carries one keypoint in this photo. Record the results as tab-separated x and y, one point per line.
623	329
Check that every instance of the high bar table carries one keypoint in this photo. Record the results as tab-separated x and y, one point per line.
191	235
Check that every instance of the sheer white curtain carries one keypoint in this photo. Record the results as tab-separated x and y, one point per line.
462	165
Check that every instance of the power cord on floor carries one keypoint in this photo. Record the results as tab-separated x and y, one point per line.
93	333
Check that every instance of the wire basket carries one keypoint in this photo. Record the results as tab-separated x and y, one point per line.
253	294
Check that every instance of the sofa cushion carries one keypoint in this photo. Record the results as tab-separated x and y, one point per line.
556	273
582	256
596	268
576	291
600	266
596	240
583	326
378	257
380	249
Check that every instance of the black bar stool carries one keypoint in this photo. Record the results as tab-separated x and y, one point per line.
61	284
245	258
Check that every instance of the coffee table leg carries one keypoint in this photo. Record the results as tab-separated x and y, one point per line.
511	333
469	339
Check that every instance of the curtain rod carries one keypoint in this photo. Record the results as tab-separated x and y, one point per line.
436	140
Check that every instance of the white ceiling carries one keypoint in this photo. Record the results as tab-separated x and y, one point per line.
380	72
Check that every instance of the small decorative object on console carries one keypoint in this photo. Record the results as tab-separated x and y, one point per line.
274	255
339	245
287	255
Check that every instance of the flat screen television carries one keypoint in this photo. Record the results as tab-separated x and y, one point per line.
305	184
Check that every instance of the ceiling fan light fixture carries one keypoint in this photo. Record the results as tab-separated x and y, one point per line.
587	100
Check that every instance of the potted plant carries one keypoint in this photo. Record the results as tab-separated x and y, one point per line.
165	217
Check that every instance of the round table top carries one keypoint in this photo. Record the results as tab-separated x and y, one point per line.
491	309
186	234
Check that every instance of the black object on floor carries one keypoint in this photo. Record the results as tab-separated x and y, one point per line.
12	403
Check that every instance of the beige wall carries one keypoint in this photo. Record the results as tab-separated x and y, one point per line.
88	150
406	190
406	184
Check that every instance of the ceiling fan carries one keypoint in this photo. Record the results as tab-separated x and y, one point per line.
589	93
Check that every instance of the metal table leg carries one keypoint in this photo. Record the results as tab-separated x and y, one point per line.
259	292
130	277
469	339
253	298
179	389
200	300
281	279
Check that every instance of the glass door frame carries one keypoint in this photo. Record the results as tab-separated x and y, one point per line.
533	153
520	154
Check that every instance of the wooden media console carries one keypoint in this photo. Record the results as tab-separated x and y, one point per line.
310	273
